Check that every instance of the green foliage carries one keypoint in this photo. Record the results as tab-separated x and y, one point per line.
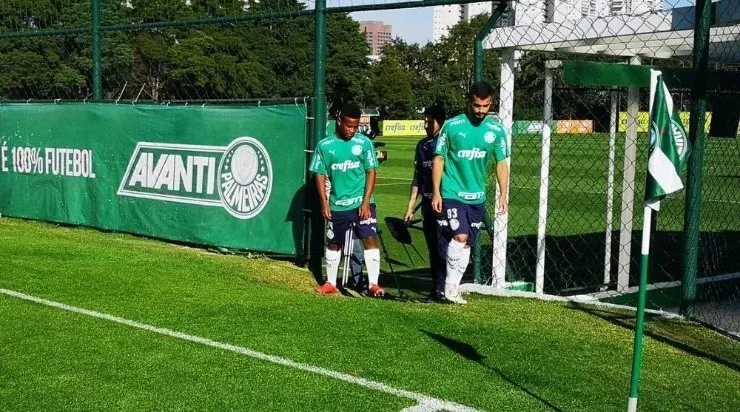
347	67
410	77
230	61
393	85
254	59
441	73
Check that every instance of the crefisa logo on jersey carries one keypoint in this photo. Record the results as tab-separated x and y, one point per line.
471	154
237	177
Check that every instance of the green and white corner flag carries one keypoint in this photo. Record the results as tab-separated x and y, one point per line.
669	148
669	145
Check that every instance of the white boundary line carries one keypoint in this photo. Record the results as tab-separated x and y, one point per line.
665	285
425	403
579	299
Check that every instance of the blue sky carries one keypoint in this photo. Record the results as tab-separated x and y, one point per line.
412	25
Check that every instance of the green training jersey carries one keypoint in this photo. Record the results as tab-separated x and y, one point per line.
466	150
345	163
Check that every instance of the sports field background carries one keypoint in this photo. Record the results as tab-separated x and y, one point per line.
493	354
577	209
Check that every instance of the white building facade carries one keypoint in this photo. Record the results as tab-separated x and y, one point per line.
444	17
527	12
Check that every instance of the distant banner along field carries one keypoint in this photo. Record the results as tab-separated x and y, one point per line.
529	126
521	127
642	121
209	175
402	128
574	126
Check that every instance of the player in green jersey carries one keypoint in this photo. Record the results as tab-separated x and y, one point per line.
465	146
348	160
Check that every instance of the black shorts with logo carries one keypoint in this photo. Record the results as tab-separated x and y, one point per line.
460	218
341	221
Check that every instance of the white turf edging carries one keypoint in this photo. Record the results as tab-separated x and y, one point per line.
579	299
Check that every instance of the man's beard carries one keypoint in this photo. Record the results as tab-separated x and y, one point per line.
475	119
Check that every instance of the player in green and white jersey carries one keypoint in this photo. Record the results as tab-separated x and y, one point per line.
466	145
347	159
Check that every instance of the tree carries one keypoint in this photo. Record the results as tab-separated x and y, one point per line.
117	54
251	60
347	74
59	66
392	89
439	73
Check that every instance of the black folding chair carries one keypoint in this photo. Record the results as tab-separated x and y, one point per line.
399	230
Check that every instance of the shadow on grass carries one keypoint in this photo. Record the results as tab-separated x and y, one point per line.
468	352
397	263
415	283
688	337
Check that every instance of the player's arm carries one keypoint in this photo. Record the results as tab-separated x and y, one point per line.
414	188
323	200
370	162
412	203
318	166
438	166
369	189
501	153
502	175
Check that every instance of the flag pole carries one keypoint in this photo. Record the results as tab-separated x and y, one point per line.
642	292
640	324
668	150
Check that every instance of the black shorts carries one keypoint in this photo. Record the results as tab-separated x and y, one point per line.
459	218
341	221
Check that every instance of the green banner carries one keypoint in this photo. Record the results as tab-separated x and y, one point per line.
216	175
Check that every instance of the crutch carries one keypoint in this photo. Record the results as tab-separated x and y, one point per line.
347	250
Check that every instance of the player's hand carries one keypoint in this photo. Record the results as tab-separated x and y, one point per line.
503	206
409	215
437	203
326	211
365	211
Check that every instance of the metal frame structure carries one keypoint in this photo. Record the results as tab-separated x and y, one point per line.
677	33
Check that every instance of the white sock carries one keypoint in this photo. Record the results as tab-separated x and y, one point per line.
332	265
464	260
372	263
458	257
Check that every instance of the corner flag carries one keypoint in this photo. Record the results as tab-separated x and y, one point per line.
669	149
669	145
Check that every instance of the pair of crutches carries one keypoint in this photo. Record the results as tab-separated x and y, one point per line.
348	251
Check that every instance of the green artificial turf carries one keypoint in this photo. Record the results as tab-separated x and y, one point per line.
494	354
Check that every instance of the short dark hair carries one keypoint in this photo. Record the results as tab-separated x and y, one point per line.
437	113
350	110
481	90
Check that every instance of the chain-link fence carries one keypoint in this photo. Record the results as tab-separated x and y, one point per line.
578	171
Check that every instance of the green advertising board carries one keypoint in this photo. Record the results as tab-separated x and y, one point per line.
214	175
